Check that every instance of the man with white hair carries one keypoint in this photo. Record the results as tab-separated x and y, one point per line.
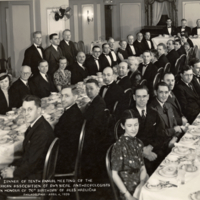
22	86
67	46
130	48
196	30
111	43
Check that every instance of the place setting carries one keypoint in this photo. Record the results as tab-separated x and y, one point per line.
195	196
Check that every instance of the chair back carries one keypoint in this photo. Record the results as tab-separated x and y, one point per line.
128	94
167	69
80	148
76	46
51	160
109	171
115	106
161	71
180	63
81	46
116	132
107	118
156	80
196	51
143	82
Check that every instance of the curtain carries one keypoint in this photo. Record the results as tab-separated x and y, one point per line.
157	12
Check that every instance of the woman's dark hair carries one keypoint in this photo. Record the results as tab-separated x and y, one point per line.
3	76
128	114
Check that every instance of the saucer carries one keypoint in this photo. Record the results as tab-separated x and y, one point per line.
153	189
162	173
175	150
193	196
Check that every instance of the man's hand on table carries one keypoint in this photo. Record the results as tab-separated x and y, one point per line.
172	141
8	172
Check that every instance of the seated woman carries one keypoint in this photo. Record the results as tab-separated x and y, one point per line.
62	77
6	96
127	163
184	38
121	52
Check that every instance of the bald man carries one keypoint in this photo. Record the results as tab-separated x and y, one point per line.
22	86
110	92
78	70
123	79
130	48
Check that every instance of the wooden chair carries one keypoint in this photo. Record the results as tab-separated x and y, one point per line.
179	63
156	80
49	169
143	82
81	46
128	93
76	171
109	171
161	71
116	130
3	65
167	69
76	46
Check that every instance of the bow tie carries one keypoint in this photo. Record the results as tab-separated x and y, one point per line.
131	44
106	54
111	49
96	58
144	65
107	86
147	39
119	79
39	47
198	27
169	27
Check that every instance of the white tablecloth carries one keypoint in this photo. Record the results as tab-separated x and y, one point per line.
182	192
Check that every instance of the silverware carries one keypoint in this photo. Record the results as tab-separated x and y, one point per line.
167	184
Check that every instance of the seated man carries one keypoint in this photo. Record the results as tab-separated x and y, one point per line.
154	56
130	48
147	41
148	70
68	130
183	28
187	95
162	59
171	131
169	29
196	74
93	63
38	138
179	48
43	85
111	43
170	81
196	30
78	70
22	86
185	38
139	45
191	53
123	79
172	55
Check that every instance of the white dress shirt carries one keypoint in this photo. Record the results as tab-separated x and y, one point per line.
162	104
140	111
44	77
81	65
97	62
105	90
149	44
39	50
132	49
144	68
67	42
170	30
5	92
55	47
25	82
114	56
182	29
198	31
109	59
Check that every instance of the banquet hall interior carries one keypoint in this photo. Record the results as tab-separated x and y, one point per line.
101	98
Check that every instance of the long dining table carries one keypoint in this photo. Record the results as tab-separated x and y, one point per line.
178	176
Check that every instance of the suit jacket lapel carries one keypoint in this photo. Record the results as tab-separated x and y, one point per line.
55	53
169	114
36	51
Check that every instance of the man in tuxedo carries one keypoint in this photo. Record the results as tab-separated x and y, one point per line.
169	29
171	131
34	53
92	63
180	118
67	46
78	70
148	70
123	79
22	87
53	53
148	44
111	43
110	92
38	138
183	28
130	48
196	74
172	55
42	83
187	95
139	44
184	38
196	30
106	57
162	59
179	48
68	130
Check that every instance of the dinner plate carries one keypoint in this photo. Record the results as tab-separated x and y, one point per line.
153	189
175	150
193	196
161	172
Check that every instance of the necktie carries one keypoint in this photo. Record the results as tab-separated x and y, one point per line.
27	86
88	105
47	77
105	90
111	49
164	109
27	131
190	85
143	115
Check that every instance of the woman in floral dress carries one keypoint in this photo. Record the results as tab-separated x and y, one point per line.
127	163
62	77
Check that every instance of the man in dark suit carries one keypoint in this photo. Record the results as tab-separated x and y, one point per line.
67	46
22	86
139	44
169	29
171	132
183	28
162	60
172	55
42	83
196	74
106	57
187	95
93	63
130	47
111	43
179	48
170	81
94	132
78	70
196	30
38	138
184	38
68	130
147	41
148	70
34	53
123	79
53	53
